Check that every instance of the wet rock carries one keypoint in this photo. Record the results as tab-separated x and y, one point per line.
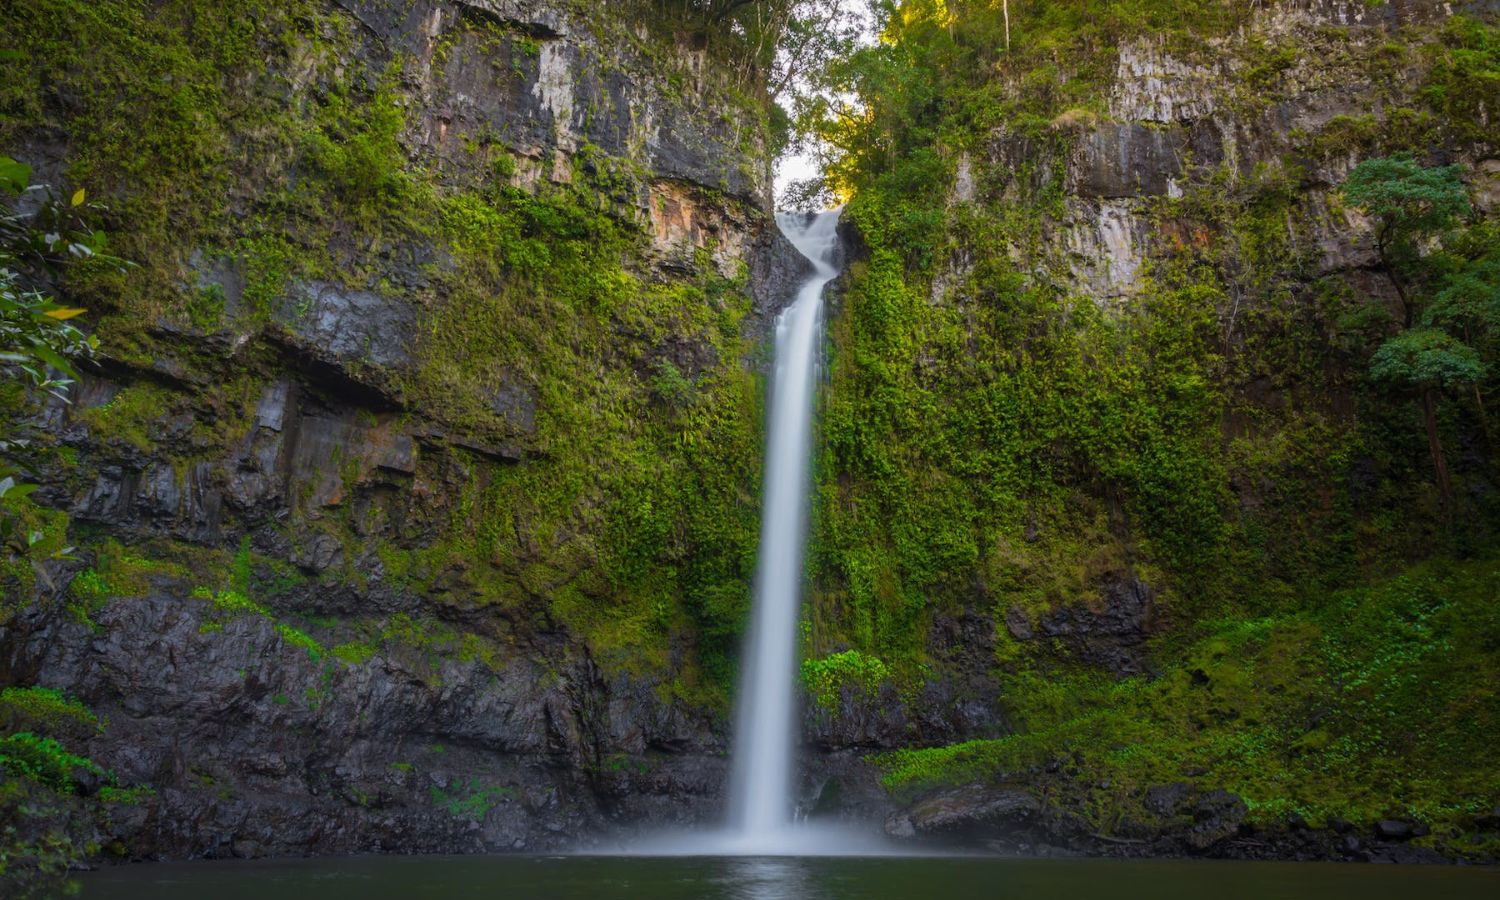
1403	854
317	552
307	747
515	404
1165	800
1216	816
1112	635
540	20
1151	85
270	412
969	808
1018	623
346	326
1104	242
899	826
1394	829
777	270
1128	160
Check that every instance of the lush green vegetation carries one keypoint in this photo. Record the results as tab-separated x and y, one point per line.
53	799
44	238
1375	703
1237	432
632	520
597	449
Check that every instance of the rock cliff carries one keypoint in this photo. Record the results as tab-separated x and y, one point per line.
1104	468
413	488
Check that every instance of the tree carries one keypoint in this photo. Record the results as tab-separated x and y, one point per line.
1414	207
1411	205
1469	304
774	41
1428	360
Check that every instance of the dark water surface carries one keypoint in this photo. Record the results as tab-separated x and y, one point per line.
806	878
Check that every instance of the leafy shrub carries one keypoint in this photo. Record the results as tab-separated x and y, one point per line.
826	678
44	760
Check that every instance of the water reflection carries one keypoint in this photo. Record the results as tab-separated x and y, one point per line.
763	878
778	878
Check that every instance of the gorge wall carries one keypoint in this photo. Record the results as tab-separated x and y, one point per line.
413	487
1110	505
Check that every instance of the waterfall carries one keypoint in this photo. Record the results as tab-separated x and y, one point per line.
761	779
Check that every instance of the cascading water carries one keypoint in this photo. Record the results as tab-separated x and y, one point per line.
761	795
760	787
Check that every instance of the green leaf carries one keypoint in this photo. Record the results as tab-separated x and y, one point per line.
54	359
22	490
14	176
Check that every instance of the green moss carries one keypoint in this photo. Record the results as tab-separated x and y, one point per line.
1463	85
131	796
241	572
231	602
1377	702
133	416
87	593
999	440
205	308
470	799
43	760
354	653
299	638
45	534
551	291
46	712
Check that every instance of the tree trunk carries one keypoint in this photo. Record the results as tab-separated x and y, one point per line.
1439	464
1382	249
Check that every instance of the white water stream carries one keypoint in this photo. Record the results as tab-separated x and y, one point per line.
762	780
761	777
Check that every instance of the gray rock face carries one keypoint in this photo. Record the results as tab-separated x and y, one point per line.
1182	117
1109	634
958	700
257	746
349	328
1128	160
965	809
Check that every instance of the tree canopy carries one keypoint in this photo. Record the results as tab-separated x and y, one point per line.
1426	357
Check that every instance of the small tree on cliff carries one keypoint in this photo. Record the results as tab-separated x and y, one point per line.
1414	206
1411	206
1428	361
